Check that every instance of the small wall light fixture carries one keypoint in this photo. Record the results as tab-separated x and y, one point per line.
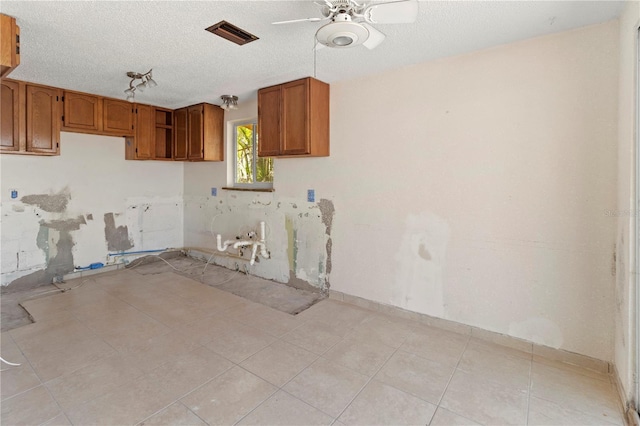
229	102
146	80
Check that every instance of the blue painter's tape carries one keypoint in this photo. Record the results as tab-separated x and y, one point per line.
311	195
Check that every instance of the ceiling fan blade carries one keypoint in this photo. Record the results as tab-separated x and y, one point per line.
324	3
397	12
299	20
375	37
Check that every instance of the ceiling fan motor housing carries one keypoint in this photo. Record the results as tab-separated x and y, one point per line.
342	32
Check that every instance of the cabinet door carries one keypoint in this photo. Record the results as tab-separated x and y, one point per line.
213	132
295	118
9	45
117	117
180	134
81	112
195	133
145	129
269	121
43	119
10	107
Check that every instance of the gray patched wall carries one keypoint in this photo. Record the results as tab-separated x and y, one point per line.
74	209
298	234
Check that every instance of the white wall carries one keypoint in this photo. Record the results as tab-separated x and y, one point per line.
93	177
625	315
476	188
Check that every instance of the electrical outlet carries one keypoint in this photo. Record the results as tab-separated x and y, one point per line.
214	192
311	195
14	193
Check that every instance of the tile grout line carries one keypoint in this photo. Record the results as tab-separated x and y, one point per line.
34	372
318	357
466	346
118	353
178	399
371	379
191	411
526	420
41	383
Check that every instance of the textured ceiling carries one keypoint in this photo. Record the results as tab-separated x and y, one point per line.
89	46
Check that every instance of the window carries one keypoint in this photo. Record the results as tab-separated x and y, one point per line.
250	170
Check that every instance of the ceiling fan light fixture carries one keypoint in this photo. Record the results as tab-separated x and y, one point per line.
342	34
342	40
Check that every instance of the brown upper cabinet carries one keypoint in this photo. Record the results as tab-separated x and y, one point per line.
43	119
293	119
11	114
9	45
153	139
30	118
117	117
85	113
199	133
82	112
145	128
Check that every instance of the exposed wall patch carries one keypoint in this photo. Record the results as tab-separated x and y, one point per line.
54	239
117	237
66	224
53	203
420	262
423	252
327	210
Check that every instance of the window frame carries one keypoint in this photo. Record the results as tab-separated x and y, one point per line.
234	140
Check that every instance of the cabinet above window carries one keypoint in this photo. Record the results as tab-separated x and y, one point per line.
293	119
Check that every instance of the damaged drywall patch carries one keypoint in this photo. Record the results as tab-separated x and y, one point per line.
66	224
327	211
299	283
117	237
292	246
423	252
420	265
329	247
55	240
52	203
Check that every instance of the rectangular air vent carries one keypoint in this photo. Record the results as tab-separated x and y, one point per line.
231	33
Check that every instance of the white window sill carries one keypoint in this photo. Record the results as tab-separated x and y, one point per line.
232	188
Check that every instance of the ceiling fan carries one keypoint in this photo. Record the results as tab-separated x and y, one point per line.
349	21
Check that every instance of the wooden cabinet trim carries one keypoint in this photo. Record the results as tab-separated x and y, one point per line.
11	116
36	140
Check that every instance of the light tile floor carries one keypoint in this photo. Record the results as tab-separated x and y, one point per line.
165	349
